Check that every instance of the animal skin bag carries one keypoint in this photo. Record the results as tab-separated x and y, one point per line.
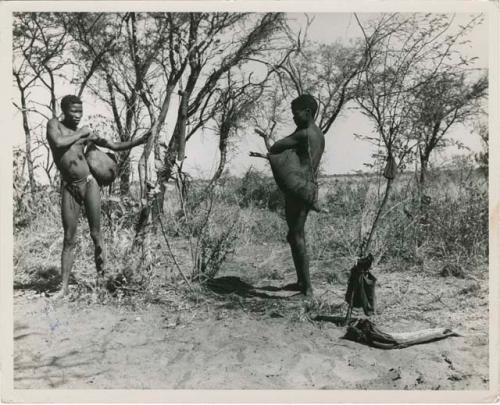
293	178
103	166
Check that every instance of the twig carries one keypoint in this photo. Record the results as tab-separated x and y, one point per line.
436	297
259	155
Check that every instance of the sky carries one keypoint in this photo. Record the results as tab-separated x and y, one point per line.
344	153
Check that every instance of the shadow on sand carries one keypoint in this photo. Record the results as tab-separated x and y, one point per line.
234	285
43	279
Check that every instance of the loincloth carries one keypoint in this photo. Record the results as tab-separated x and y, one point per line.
78	188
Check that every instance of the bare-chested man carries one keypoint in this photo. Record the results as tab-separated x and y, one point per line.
79	187
308	142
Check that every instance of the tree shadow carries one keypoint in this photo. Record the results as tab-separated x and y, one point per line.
338	320
72	366
227	285
24	335
55	371
43	279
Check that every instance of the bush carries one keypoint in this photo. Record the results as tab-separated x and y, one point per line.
449	222
454	224
210	224
215	241
260	191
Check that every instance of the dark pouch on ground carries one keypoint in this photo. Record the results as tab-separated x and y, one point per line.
361	287
292	178
103	166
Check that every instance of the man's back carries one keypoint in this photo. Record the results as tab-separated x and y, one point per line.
311	150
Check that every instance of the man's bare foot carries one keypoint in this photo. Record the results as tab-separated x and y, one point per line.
317	208
60	295
100	282
308	292
292	287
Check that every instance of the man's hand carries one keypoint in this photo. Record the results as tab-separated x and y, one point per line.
85	131
99	141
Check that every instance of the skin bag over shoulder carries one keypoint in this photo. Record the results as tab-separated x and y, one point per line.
294	179
103	166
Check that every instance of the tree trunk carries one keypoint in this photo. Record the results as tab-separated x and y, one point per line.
151	205
153	143
220	168
27	134
424	162
181	132
222	161
172	153
125	176
422	213
167	169
53	100
365	246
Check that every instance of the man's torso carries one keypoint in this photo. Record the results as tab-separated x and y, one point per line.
71	160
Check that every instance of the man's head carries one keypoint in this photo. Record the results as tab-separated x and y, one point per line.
304	110
71	107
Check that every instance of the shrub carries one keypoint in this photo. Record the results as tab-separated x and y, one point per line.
210	224
452	224
260	191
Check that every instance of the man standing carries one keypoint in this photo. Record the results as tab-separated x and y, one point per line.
79	187
295	160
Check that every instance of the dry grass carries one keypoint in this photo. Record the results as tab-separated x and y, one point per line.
224	234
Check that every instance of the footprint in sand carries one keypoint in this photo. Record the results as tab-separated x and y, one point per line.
180	354
240	356
304	348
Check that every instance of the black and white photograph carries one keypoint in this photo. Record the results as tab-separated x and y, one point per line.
218	198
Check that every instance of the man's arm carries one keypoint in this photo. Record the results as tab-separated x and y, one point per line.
290	142
118	146
57	139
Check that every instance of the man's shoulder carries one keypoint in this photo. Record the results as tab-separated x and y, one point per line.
53	129
312	130
317	133
53	122
301	133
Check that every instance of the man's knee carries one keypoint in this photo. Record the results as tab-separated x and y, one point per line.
295	237
69	242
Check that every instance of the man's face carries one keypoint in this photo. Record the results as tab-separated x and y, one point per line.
301	115
73	113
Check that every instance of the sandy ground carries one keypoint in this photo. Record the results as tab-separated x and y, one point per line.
228	339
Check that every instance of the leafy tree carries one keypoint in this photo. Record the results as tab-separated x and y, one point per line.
445	101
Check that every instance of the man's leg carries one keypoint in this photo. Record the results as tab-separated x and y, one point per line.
70	210
296	215
93	210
